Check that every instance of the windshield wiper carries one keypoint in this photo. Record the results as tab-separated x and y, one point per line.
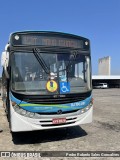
38	56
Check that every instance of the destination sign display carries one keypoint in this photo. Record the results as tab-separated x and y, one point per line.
49	41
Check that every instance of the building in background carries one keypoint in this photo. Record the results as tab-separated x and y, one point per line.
104	74
104	66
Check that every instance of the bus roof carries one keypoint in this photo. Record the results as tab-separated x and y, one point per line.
49	32
48	39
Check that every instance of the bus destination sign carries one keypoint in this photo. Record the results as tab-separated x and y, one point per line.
49	41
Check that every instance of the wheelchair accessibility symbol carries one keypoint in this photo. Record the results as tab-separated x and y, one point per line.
64	87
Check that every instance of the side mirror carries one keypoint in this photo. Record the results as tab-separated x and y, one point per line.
5	59
5	62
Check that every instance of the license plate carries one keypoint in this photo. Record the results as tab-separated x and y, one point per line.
59	120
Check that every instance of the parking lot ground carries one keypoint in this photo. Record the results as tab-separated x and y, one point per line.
103	134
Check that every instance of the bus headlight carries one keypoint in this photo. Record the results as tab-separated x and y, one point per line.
83	110
21	111
31	114
16	107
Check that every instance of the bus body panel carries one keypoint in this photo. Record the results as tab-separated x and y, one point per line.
21	123
47	108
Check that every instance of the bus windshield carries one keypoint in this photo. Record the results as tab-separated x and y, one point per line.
30	72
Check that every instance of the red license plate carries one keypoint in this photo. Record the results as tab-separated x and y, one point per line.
59	120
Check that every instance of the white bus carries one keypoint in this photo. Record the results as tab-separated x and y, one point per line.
46	80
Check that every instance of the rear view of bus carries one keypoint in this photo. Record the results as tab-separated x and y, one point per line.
47	80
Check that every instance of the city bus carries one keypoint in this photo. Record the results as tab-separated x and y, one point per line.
46	80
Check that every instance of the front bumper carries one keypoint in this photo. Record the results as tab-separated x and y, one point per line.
20	123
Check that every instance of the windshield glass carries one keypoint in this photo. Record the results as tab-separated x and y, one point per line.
50	73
